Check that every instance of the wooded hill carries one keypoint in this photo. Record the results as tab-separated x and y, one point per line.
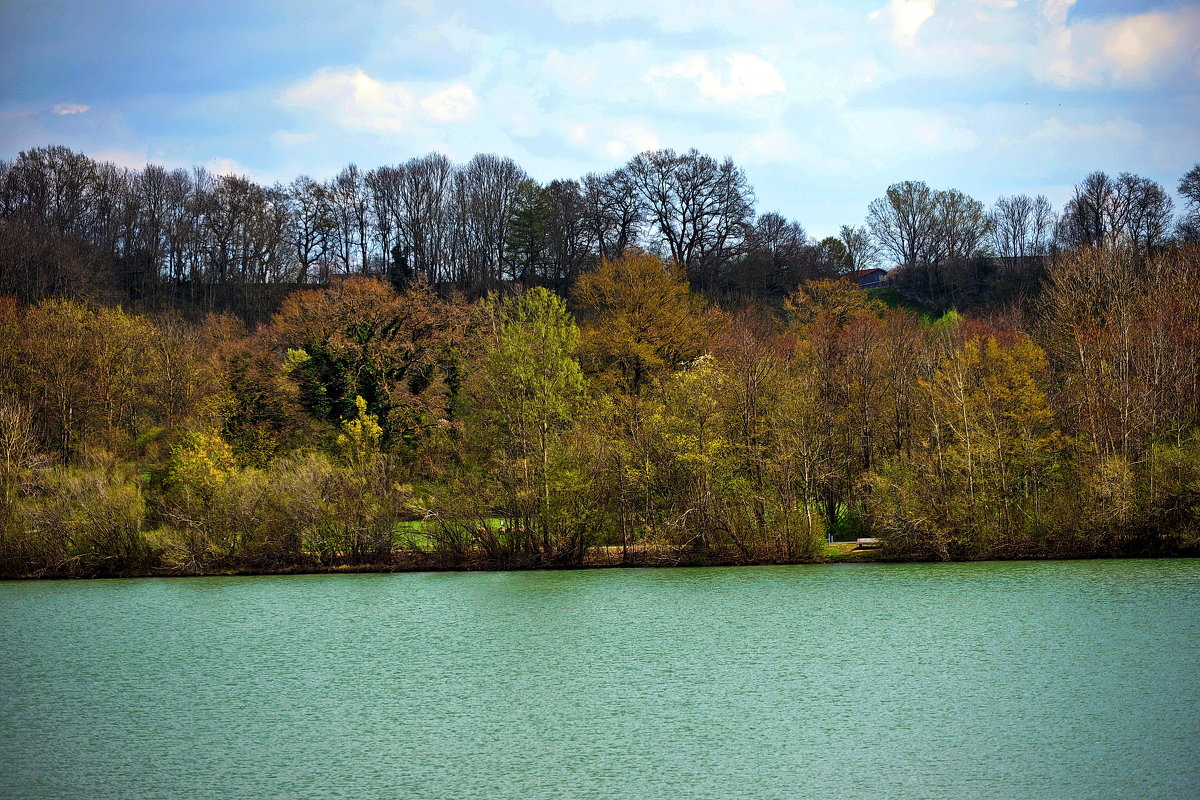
726	399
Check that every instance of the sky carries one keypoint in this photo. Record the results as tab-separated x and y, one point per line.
824	105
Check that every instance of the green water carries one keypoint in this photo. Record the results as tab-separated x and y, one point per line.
1019	680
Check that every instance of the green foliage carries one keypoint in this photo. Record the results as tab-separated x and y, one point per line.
360	437
532	375
979	485
529	390
360	338
362	423
528	239
258	413
946	321
202	464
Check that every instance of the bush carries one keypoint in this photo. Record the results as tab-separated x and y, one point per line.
87	521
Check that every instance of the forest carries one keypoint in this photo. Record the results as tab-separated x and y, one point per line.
440	365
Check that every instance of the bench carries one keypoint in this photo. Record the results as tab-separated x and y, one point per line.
862	544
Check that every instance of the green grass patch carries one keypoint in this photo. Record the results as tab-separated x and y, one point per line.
893	299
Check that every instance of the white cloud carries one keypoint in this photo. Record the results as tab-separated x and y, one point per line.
294	138
577	132
677	16
903	133
353	99
130	159
1126	50
1133	51
610	71
747	77
226	166
905	18
62	109
455	103
1055	11
1138	45
776	147
627	139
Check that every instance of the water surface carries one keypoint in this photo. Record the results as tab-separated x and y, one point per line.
996	680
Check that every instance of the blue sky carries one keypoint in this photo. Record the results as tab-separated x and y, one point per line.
823	104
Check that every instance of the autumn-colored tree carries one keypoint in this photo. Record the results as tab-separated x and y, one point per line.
640	322
88	371
1125	332
360	338
841	347
755	359
836	298
697	458
259	410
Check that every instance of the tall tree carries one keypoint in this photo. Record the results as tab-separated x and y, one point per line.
641	321
361	338
1022	227
700	208
569	243
1129	209
861	247
530	391
1189	188
527	240
615	212
483	196
904	222
777	256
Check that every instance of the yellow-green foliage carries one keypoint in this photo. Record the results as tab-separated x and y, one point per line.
979	484
87	520
202	464
360	436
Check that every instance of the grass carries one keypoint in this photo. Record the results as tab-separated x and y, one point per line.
415	534
893	299
849	553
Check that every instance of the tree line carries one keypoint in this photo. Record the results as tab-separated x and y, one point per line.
627	413
156	239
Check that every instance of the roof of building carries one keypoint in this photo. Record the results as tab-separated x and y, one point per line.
865	273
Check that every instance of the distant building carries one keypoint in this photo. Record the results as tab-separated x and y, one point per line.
867	278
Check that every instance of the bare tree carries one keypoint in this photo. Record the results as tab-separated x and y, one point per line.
415	200
350	207
614	212
312	228
1021	227
904	223
569	250
778	255
700	208
1189	186
1130	209
483	196
934	236
1147	212
863	250
961	228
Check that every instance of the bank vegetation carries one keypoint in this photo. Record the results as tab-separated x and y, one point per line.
675	397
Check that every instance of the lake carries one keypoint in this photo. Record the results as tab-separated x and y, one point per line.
991	680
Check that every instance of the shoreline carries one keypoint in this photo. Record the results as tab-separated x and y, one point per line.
847	555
